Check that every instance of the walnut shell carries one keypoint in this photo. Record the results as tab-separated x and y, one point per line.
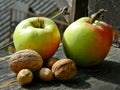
46	74
25	76
25	59
64	69
51	61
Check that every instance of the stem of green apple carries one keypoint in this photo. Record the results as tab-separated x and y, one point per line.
41	23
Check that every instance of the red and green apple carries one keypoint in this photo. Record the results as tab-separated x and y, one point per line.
87	43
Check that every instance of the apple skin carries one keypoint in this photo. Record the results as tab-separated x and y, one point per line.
87	44
37	33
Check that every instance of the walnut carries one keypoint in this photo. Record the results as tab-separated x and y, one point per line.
25	59
46	74
25	76
51	61
64	69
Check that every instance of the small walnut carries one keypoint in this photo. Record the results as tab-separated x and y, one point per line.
26	58
64	69
46	74
25	76
51	61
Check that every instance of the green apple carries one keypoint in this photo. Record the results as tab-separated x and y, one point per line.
37	33
87	43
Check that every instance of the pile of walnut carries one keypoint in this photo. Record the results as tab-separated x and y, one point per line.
27	62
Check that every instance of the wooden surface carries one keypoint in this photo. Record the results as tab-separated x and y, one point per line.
105	76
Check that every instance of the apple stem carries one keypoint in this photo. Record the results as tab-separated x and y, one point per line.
42	24
98	15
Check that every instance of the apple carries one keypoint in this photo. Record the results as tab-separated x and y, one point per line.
87	43
37	33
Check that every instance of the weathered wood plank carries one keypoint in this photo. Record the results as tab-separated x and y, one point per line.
105	76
